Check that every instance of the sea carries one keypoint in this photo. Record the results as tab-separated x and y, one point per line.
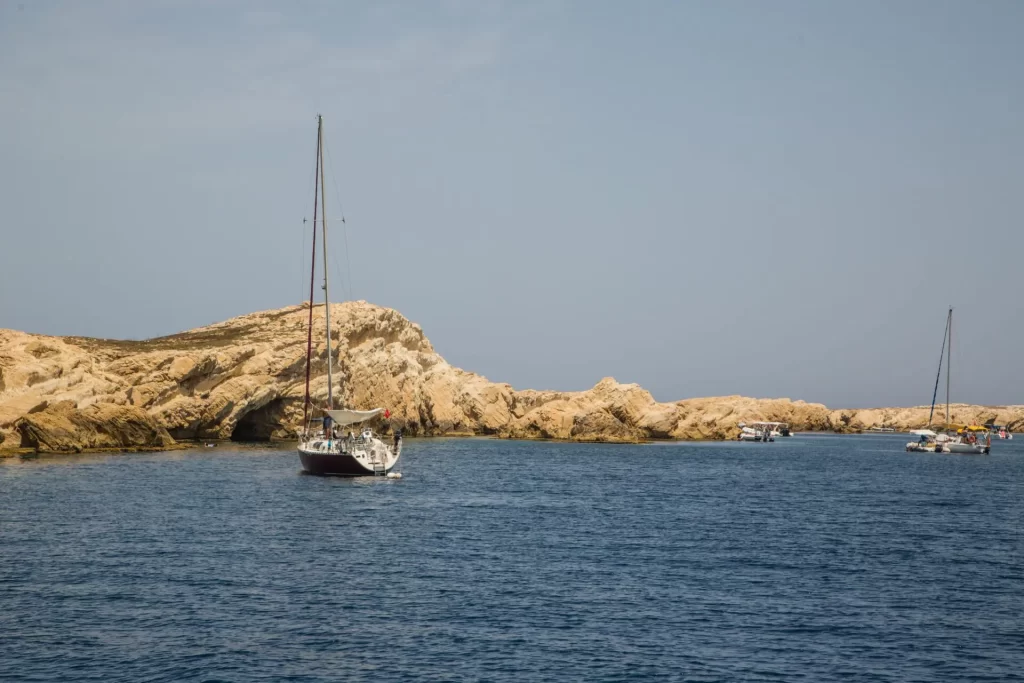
814	558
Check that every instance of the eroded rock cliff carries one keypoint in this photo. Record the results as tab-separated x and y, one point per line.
244	379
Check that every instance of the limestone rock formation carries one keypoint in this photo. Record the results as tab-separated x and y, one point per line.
244	379
903	419
62	427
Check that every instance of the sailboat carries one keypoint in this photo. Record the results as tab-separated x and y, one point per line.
337	443
972	439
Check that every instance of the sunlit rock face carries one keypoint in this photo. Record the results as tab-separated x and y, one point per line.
245	379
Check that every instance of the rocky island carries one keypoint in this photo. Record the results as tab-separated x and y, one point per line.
244	379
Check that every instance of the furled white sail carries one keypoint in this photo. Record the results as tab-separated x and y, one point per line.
348	417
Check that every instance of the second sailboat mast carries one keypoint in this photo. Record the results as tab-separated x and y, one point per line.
327	295
949	355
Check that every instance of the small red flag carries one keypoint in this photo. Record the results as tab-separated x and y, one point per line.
387	413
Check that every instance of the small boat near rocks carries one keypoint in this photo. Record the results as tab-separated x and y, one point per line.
758	431
968	439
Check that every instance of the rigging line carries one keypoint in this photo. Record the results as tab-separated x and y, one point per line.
302	260
312	273
302	267
344	225
942	353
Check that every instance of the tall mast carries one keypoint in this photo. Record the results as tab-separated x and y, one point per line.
327	296
312	270
949	355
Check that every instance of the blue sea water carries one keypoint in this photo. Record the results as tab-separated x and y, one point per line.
816	558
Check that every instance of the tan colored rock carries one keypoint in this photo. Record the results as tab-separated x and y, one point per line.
63	427
609	412
244	378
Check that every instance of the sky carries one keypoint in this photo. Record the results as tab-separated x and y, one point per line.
774	199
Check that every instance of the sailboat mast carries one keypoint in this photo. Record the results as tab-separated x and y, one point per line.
938	374
949	355
312	272
327	296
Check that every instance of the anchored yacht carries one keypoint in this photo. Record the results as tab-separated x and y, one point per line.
333	444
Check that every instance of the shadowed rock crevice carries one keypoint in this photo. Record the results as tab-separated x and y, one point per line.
262	424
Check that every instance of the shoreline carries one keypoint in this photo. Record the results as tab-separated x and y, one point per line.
199	444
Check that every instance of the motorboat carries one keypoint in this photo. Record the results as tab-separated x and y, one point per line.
970	439
758	431
926	443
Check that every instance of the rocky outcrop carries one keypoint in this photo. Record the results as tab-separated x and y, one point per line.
101	426
245	379
903	419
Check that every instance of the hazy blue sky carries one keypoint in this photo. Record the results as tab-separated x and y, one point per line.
766	198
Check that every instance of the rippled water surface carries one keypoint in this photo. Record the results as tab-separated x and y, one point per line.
815	558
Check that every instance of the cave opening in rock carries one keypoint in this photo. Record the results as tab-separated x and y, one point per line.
260	424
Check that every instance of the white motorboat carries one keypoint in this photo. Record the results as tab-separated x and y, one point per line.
927	443
759	431
774	428
971	439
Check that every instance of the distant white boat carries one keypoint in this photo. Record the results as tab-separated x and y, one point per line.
778	428
1000	431
758	431
882	430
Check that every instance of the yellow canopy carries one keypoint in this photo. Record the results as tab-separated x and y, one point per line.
972	428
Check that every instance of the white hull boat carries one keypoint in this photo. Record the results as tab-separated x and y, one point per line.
970	448
928	442
755	433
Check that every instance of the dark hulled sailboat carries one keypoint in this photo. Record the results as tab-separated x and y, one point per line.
332	444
